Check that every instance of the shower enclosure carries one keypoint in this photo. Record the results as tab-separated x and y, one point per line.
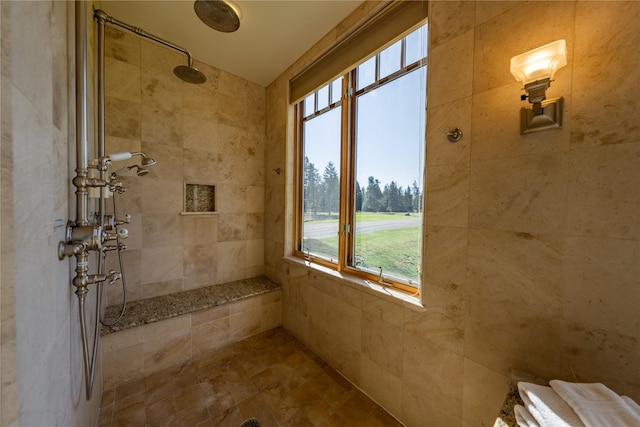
94	233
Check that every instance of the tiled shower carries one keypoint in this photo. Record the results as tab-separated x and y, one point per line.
211	134
532	249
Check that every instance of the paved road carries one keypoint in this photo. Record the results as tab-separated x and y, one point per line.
323	230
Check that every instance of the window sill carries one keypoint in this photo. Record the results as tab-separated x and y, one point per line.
409	301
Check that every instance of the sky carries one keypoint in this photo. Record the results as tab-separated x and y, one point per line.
388	118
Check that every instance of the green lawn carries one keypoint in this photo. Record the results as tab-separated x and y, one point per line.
396	251
324	217
382	216
326	247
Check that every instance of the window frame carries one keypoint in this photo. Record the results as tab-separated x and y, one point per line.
348	98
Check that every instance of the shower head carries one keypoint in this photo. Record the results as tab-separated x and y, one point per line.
146	160
140	171
189	74
221	15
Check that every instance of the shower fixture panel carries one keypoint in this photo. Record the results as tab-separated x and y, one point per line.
94	179
96	233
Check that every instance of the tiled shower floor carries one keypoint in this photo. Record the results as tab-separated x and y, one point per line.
271	377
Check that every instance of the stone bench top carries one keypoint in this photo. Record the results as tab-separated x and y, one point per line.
163	307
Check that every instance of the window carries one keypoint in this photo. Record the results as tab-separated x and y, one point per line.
360	156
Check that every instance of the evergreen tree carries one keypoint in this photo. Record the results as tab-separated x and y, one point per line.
359	197
372	196
407	201
417	197
311	187
331	188
393	199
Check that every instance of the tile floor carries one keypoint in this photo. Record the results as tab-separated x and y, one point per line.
271	376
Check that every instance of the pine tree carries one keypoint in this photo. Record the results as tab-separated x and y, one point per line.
394	199
417	197
372	196
331	188
359	197
311	187
407	201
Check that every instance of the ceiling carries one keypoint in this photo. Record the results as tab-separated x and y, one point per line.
272	34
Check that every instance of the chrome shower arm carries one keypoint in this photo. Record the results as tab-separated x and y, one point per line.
101	15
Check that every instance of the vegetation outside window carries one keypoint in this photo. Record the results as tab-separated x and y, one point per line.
360	156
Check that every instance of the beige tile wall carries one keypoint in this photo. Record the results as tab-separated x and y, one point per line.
203	134
41	361
174	342
532	257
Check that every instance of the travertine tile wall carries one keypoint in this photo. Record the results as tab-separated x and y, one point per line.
203	134
532	256
174	342
41	362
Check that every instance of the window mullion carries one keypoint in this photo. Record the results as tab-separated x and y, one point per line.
346	187
298	171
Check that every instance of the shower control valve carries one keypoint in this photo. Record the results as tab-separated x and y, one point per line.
80	239
116	186
126	220
68	249
122	233
113	277
110	222
121	247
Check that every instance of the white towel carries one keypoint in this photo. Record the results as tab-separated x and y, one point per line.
548	409
633	406
523	417
597	405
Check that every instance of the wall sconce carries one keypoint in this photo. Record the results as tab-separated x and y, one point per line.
535	69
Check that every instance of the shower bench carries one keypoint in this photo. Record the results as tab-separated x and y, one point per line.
164	307
170	330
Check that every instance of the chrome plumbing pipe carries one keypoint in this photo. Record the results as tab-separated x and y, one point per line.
82	195
82	236
102	15
100	125
82	279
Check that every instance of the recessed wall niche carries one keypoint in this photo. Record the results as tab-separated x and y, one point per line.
199	199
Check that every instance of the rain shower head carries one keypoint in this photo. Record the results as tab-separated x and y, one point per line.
189	74
221	15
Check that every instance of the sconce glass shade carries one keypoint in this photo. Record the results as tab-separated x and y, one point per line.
540	63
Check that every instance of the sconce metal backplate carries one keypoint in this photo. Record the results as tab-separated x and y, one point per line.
551	117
